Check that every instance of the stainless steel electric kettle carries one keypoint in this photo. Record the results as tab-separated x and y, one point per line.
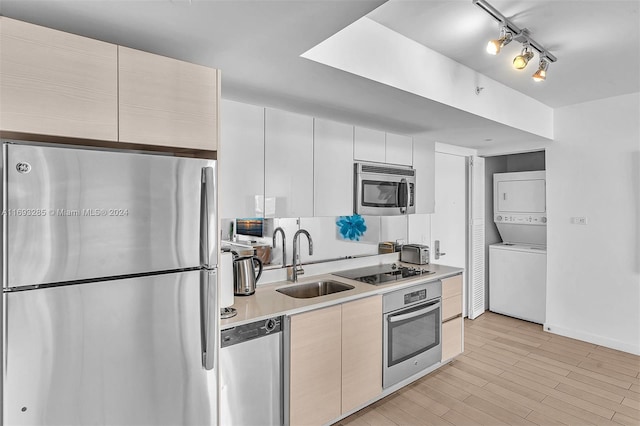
244	275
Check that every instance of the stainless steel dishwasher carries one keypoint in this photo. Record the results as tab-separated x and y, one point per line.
251	374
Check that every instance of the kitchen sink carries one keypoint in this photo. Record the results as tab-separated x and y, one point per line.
309	290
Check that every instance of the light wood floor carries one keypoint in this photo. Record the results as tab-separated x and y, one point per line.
512	372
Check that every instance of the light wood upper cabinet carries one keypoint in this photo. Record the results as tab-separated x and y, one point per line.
399	149
241	160
361	351
288	168
166	102
332	168
55	83
314	368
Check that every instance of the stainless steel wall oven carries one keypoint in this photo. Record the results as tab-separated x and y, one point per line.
412	331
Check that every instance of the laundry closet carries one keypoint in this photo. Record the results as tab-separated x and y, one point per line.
516	237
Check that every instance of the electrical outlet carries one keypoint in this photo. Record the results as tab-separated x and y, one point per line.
578	220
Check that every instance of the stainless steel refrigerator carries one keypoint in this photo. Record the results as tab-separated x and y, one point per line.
109	287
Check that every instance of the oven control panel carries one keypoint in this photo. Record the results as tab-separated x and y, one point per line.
415	296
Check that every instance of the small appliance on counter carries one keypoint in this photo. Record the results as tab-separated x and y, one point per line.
417	254
245	276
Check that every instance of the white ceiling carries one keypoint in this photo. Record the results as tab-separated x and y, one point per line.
257	45
597	43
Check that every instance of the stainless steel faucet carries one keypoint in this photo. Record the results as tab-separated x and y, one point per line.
284	245
295	272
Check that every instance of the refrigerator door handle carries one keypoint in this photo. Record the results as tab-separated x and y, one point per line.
208	219
209	319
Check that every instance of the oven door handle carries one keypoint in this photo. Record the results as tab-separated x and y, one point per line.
427	308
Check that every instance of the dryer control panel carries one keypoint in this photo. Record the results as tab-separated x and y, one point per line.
521	219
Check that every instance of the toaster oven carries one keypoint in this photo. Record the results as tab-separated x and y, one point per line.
415	253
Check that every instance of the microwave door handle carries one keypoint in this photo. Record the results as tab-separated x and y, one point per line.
403	183
428	308
408	199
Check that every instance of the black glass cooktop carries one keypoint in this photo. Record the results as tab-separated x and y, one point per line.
382	274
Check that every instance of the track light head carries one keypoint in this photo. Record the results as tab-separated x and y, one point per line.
521	61
541	74
494	46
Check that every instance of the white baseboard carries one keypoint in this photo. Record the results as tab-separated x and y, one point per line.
593	338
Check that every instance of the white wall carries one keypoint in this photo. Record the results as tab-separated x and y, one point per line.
593	273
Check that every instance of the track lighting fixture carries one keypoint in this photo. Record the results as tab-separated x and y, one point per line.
521	61
508	32
494	46
541	74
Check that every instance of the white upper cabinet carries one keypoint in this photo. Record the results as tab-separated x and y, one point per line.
369	145
424	163
288	168
381	147
55	83
333	168
241	160
399	149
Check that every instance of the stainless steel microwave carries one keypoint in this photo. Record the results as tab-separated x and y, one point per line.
384	189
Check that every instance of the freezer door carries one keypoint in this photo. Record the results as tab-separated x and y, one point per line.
76	214
124	352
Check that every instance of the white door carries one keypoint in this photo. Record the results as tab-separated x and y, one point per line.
449	220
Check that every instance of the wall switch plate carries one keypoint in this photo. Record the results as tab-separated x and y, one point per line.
578	220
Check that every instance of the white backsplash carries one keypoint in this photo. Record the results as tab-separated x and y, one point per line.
274	275
330	251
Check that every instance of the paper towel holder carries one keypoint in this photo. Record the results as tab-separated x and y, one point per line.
225	284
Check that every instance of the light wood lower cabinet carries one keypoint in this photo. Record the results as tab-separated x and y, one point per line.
314	366
55	83
166	102
335	360
451	338
361	351
452	322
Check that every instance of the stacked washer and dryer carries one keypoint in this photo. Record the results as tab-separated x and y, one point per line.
518	265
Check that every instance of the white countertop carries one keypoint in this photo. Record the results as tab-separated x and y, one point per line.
266	302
